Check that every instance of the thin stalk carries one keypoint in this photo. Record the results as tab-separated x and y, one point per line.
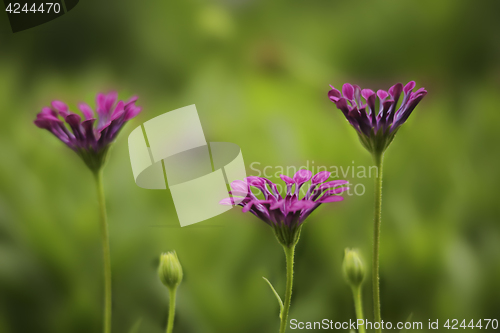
358	305
171	310
105	251
378	159
289	253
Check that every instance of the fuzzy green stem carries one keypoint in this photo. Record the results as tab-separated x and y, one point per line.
289	253
105	250
379	161
171	310
358	305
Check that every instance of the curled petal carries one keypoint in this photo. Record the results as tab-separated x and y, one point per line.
395	91
348	91
343	106
409	87
119	110
287	179
302	176
227	202
131	111
334	95
110	100
320	177
336	191
60	107
100	103
87	111
239	185
366	93
382	94
332	198
131	100
256	182
331	184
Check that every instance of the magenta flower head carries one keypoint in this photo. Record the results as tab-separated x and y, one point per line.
91	137
376	116
285	215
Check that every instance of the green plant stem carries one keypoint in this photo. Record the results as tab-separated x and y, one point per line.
105	251
289	253
358	305
378	159
171	310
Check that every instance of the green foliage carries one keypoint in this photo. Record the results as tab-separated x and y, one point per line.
258	72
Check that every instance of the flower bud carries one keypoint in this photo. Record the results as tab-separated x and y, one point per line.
170	270
354	270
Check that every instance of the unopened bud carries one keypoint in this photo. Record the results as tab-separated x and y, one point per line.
354	270
170	270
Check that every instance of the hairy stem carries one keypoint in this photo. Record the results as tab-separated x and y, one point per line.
289	253
171	310
378	159
105	250
358	305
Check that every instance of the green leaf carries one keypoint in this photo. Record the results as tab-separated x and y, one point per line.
135	328
276	294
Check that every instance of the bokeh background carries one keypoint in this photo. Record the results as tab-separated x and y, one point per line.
258	72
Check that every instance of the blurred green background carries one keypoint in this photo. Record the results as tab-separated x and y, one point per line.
258	72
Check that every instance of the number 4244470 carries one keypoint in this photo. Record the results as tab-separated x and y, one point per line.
47	7
454	324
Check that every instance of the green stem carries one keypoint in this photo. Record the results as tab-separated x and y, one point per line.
171	310
105	251
378	158
289	253
358	305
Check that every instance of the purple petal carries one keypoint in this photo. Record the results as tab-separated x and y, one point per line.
332	198
88	128
395	91
371	103
348	91
287	179
239	185
119	110
87	111
357	95
301	205
101	103
342	105
110	100
46	111
366	93
74	121
320	177
256	181
409	87
336	191
226	202
277	204
302	176
334	95
331	184
60	107
131	111
131	100
382	94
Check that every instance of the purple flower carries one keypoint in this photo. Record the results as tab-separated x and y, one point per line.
285	214
92	137
376	129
